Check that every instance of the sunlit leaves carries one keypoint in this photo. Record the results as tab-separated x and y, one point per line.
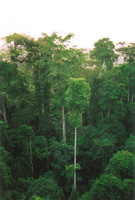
103	53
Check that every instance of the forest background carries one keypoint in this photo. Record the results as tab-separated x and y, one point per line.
38	113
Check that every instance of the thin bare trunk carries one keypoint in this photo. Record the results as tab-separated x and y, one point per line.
128	95
102	114
4	113
31	157
108	114
63	124
75	158
3	108
43	108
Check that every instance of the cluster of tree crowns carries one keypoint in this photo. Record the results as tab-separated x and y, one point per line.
46	90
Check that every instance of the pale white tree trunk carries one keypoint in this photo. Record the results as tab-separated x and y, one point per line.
75	158
4	113
63	124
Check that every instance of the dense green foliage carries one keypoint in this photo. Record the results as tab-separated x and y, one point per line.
77	98
46	89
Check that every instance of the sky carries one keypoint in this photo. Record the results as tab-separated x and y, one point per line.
88	20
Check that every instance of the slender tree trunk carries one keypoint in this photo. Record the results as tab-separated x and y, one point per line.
75	158
31	158
128	95
63	124
43	108
4	113
102	114
108	114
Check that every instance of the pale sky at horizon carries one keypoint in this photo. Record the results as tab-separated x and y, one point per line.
88	20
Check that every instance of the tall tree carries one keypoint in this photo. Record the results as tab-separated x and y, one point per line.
70	64
103	53
22	48
78	94
61	63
